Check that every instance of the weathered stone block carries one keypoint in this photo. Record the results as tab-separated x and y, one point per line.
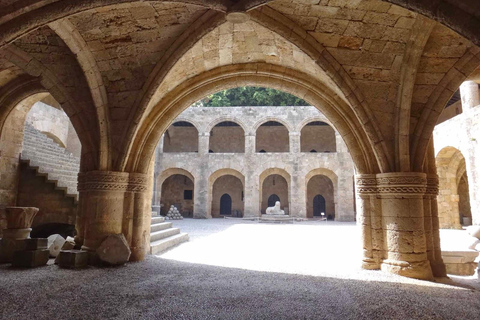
34	244
72	259
114	250
30	259
55	244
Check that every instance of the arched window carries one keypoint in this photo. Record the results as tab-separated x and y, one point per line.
226	204
272	136
317	136
272	199
227	137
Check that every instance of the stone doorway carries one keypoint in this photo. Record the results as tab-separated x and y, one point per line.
318	205
225	205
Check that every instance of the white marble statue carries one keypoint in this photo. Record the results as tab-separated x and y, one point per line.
275	210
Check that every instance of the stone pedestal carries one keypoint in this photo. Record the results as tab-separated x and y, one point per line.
19	221
276	218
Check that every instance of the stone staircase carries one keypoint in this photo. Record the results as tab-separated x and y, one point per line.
163	236
48	159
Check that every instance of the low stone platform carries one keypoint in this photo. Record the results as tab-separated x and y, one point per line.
276	218
460	263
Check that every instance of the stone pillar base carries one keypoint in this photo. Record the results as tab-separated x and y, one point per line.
439	269
418	270
370	264
17	234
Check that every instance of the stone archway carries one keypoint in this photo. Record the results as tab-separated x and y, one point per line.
177	190
321	187
451	171
226	181
275	181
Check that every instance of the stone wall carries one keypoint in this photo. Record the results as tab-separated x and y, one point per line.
33	191
54	123
272	139
253	167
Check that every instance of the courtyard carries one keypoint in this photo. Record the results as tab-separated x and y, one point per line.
239	269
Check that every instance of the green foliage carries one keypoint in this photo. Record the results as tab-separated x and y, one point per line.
251	96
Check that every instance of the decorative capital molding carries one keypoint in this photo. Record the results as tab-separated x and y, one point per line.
366	184
432	184
112	181
401	184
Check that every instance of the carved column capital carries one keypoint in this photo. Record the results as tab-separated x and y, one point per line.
366	184
112	181
432	185
401	184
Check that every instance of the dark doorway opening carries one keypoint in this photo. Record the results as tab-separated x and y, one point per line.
226	205
318	205
272	199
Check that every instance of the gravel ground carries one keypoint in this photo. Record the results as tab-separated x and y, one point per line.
165	287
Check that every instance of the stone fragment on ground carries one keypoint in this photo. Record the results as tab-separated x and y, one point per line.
72	259
30	258
55	244
114	250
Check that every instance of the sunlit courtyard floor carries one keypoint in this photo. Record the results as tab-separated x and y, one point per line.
234	269
317	248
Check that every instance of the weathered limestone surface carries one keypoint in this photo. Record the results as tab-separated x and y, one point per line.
114	250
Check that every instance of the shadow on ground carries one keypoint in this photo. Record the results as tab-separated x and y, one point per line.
164	289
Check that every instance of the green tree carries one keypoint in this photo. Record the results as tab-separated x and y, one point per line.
251	96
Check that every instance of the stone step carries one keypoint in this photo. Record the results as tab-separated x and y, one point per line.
158	219
43	145
45	153
160	226
160	246
56	165
162	234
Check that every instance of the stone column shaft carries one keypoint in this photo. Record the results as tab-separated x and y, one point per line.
401	195
470	95
367	218
203	143
113	203
294	141
250	140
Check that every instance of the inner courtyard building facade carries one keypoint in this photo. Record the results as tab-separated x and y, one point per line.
381	73
254	156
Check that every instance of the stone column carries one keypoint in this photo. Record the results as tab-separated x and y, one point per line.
369	219
251	195
344	201
432	228
200	201
294	141
113	203
470	95
140	186
250	139
401	195
298	204
203	143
